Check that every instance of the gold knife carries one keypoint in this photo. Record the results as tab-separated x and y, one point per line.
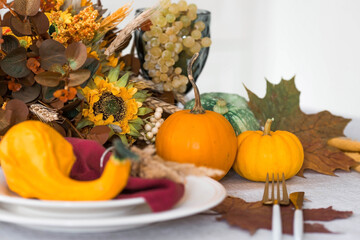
297	199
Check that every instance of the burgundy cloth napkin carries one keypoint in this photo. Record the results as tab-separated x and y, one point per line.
160	194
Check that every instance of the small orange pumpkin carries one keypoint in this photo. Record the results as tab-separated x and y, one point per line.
203	138
268	152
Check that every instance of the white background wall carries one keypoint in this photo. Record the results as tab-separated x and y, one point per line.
318	41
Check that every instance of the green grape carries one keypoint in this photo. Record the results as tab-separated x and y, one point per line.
170	46
146	65
157	73
196	34
200	25
196	48
178	47
170	18
145	37
192	8
188	42
169	31
170	62
182	89
156	52
147	57
168	87
176	57
176	83
178	24
180	40
152	73
178	70
184	80
147	47
155	31
154	42
182	5
160	21
156	79
163	38
161	61
191	15
174	8
206	42
164	77
164	69
185	20
184	32
173	38
166	54
165	3
151	65
170	71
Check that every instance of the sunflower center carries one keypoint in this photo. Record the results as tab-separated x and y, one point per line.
108	105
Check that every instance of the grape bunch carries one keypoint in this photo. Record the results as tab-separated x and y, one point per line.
151	128
173	31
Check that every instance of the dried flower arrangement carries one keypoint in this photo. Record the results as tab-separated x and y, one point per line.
61	63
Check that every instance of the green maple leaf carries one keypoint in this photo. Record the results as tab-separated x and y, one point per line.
282	102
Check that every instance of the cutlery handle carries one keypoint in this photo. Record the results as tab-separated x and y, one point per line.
276	222
298	225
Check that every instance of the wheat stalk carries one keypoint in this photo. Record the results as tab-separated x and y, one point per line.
167	107
116	17
124	33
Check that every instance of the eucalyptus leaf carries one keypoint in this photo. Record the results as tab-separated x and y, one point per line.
28	94
57	68
122	82
76	55
48	79
40	22
14	64
19	27
78	77
143	111
28	81
5	120
93	65
6	20
51	52
19	110
26	7
10	43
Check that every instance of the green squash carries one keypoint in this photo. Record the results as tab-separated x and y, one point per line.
232	106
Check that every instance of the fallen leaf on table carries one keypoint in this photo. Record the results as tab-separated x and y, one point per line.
282	102
252	216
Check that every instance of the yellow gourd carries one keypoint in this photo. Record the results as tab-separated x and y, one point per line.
270	152
36	161
203	138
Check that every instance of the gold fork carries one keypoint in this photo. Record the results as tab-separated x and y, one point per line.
276	216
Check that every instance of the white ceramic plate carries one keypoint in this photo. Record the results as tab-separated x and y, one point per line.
64	209
201	193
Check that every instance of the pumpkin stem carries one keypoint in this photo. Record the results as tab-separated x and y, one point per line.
221	107
197	109
267	127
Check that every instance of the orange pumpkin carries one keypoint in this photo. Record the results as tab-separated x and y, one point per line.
203	138
268	152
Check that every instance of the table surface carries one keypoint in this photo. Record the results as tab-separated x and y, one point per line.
342	192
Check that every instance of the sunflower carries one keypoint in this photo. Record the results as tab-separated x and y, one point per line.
110	104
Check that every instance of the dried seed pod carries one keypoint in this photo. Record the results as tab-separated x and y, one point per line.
45	114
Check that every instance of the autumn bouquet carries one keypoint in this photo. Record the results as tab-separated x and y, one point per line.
53	67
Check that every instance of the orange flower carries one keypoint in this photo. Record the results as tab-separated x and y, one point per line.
13	86
65	95
34	65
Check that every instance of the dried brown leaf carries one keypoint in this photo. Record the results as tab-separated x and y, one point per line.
132	62
282	102
19	27
100	134
40	22
28	94
26	7
252	216
78	77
